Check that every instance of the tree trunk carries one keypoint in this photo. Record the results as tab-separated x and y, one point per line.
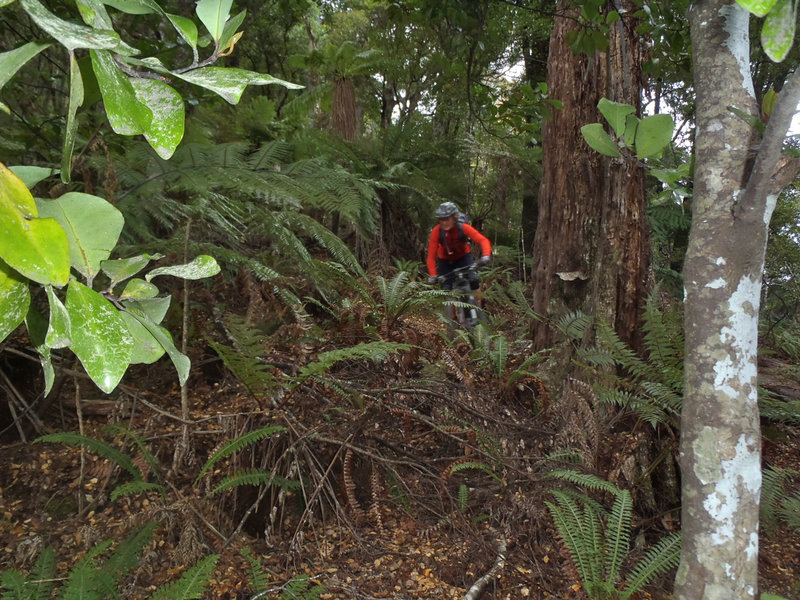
591	251
737	179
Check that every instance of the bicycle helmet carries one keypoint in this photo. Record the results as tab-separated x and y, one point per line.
446	209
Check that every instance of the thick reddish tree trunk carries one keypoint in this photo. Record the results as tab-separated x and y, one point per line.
591	251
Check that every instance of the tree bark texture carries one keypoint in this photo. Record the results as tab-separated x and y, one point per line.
591	250
720	438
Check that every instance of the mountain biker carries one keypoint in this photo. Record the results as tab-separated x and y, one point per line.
448	248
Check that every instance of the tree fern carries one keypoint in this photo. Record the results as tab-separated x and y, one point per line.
236	445
255	477
191	585
94	445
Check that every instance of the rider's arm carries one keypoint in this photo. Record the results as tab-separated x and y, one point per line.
480	239
433	248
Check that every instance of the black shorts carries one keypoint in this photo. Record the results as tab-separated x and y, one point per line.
445	267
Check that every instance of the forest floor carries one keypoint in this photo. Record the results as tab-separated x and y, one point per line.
412	485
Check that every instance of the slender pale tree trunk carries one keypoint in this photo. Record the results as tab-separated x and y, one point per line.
737	179
591	250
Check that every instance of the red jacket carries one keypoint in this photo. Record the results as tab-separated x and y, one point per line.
453	243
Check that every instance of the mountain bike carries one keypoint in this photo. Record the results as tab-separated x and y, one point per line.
462	308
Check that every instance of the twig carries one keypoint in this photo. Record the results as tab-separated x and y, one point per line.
477	588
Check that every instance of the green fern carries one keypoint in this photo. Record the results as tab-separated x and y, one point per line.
191	585
301	588
463	495
36	587
254	477
236	445
777	502
375	351
258	578
135	487
474	465
94	445
139	442
598	540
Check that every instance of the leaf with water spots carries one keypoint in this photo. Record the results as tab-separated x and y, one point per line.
15	298
58	331
165	131
92	225
36	248
100	338
201	267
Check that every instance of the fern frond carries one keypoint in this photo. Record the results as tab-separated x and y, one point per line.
135	487
13	582
255	375
463	494
618	535
237	444
568	519
191	585
475	465
586	480
41	581
93	445
139	442
126	555
375	351
255	477
574	325
259	580
662	557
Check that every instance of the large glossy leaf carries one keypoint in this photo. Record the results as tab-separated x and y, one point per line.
31	175
599	140
757	7
126	114
231	27
100	338
185	27
154	309
37	329
616	114
213	14
13	60
201	267
122	268
135	7
166	129
75	101
230	83
92	224
15	298
138	288
777	34
71	35
146	349
36	248
653	135
59	328
181	361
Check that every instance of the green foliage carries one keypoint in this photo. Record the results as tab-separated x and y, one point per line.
255	477
401	296
374	351
98	574
598	540
237	445
104	449
244	358
297	588
651	387
778	503
474	465
192	584
645	138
